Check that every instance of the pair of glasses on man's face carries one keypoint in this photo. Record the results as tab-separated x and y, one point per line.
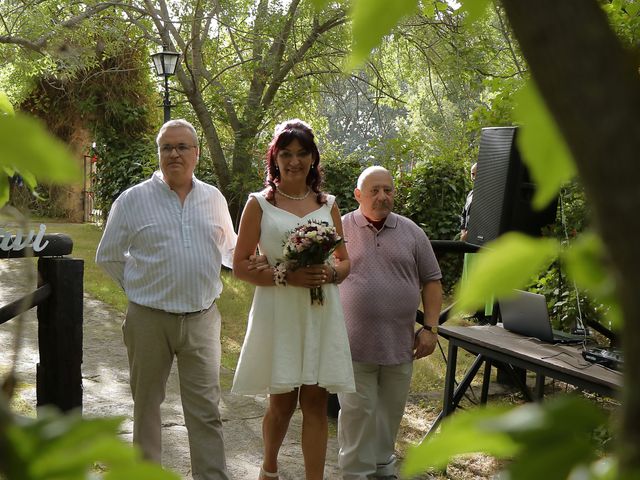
181	148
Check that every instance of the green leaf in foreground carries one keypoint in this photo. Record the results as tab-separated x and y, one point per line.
68	446
506	263
542	146
562	432
475	9
372	20
5	105
585	262
26	145
140	471
4	189
461	433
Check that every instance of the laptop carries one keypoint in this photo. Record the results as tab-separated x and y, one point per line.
526	314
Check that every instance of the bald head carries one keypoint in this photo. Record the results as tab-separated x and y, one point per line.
374	169
375	193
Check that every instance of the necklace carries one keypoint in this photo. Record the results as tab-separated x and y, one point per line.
291	197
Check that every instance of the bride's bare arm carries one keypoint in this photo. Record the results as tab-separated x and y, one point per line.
248	236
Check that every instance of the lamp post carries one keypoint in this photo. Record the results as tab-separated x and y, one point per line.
165	63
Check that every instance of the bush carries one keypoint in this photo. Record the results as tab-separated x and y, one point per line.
432	195
566	302
121	165
340	174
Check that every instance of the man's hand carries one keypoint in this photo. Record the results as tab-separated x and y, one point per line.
258	262
424	344
309	277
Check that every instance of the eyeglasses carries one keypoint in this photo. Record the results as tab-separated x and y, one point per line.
181	148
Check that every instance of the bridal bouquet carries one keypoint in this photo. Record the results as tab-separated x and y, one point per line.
311	244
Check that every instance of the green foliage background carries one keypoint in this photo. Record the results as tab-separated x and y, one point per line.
432	88
340	174
124	124
107	109
432	195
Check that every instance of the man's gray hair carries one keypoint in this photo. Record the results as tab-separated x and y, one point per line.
368	171
177	123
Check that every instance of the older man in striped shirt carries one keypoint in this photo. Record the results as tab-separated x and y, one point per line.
164	243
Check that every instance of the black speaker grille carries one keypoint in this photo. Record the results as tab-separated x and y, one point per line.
494	161
503	190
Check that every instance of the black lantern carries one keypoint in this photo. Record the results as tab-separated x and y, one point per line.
165	63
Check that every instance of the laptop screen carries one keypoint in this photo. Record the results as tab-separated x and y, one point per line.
526	314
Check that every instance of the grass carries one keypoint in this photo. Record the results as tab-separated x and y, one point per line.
18	404
234	305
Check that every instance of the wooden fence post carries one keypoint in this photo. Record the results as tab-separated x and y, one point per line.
59	374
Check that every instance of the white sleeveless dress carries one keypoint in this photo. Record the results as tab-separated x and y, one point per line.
290	342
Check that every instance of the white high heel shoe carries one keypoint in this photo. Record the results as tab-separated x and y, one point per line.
265	475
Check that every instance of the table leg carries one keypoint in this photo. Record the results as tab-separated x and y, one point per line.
453	396
486	380
450	379
464	384
539	389
514	373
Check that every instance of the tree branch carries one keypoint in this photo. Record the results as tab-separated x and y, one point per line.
39	44
299	54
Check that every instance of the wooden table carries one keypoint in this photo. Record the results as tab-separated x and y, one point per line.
494	344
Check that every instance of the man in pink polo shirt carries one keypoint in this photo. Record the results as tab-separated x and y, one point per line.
393	270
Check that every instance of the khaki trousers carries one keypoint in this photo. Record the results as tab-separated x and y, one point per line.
369	420
153	338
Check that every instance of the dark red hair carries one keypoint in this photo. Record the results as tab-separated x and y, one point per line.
284	134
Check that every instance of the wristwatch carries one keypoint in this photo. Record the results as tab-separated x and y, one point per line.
431	328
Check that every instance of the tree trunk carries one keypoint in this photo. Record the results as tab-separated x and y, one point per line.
194	96
243	158
592	87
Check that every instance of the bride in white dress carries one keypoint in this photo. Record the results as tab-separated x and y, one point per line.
293	350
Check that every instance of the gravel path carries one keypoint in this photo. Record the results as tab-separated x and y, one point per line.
106	392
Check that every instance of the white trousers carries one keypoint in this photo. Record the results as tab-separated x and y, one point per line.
153	338
369	420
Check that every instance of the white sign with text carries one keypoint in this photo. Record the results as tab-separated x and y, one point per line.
20	241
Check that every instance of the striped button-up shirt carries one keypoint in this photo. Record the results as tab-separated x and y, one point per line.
167	255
